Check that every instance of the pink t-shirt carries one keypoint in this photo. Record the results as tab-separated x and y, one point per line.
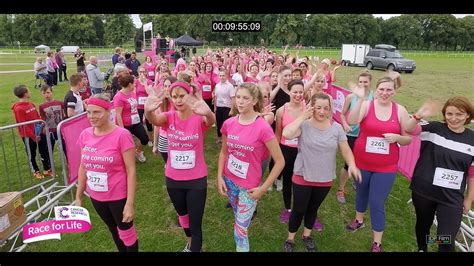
185	147
141	93
129	107
102	159
328	83
246	149
150	70
207	81
251	79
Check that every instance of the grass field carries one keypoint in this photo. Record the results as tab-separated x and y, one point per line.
435	78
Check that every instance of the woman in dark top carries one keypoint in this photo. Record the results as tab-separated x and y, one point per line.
443	170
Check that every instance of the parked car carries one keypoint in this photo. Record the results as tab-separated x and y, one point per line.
387	57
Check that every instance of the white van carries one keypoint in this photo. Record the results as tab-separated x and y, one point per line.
69	49
354	54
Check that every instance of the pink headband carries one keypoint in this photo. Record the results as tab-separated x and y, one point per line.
99	102
183	85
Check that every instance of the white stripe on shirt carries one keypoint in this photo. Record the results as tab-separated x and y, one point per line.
446	143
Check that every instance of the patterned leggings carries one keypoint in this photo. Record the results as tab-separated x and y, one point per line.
243	208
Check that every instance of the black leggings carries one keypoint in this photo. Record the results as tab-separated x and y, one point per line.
164	155
138	131
307	200
449	221
210	104
222	113
149	126
351	141
289	153
188	201
43	150
111	212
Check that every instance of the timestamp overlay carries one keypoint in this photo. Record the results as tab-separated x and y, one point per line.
236	26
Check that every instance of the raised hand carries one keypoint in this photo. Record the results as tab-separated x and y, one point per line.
392	74
198	105
429	108
308	113
154	102
357	90
268	109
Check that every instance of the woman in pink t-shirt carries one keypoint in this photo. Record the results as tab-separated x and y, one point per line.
208	81
126	113
383	125
150	68
107	172
330	74
160	69
246	140
186	170
252	78
315	85
143	87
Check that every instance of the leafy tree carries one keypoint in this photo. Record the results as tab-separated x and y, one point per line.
119	28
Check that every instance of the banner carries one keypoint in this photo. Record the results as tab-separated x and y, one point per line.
339	95
148	26
70	132
69	219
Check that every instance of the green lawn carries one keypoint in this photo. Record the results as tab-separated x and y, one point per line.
434	78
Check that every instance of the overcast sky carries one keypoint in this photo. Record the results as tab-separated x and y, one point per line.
138	23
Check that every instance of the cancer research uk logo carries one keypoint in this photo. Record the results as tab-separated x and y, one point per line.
68	219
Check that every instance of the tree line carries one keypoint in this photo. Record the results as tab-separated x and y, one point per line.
408	31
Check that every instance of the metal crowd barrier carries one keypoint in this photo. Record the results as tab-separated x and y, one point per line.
40	198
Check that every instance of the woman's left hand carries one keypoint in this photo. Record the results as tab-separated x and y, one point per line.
466	206
256	193
391	138
355	173
198	105
128	214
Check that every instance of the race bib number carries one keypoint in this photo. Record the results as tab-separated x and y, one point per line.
97	181
151	73
377	145
183	159
237	167
291	142
448	178
135	119
142	100
206	87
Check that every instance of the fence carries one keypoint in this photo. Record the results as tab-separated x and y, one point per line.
40	196
310	51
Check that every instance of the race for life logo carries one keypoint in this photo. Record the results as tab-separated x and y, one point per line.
68	219
60	214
